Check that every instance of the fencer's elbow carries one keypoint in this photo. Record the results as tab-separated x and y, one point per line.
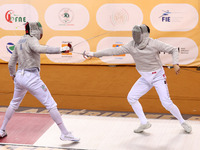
10	66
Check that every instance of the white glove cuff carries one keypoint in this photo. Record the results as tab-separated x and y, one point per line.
91	54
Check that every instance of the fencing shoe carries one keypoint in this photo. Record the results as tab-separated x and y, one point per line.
69	137
3	133
186	127
142	127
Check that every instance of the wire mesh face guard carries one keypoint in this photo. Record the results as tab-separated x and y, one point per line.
34	29
139	33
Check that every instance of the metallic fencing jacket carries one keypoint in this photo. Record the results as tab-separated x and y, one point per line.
27	53
146	59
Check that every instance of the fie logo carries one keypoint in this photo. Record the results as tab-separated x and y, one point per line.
165	16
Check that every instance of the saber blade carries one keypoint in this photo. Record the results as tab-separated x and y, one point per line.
92	38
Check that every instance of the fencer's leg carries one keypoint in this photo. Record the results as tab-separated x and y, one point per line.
44	96
41	92
9	113
163	92
137	107
65	134
18	95
55	115
139	112
140	88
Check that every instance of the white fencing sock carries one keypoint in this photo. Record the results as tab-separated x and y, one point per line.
55	115
139	112
176	113
9	113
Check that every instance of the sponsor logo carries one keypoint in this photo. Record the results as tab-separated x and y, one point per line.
14	16
174	17
7	45
169	16
65	43
71	57
10	47
108	42
183	50
154	72
11	17
66	16
187	49
120	16
165	16
44	88
118	44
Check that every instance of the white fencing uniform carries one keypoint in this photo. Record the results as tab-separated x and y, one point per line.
27	54
30	81
148	80
149	65
27	78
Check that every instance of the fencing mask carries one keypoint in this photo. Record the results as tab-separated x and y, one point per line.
140	35
34	29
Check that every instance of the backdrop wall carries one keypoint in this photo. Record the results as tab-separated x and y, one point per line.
90	25
106	88
95	25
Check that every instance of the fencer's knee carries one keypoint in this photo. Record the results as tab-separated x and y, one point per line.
167	105
132	99
51	108
14	106
50	105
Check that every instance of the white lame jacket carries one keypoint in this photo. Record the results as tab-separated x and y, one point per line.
27	54
147	59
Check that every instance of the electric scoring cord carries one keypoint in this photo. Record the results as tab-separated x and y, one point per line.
197	71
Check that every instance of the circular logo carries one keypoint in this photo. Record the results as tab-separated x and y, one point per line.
10	47
8	16
119	17
66	15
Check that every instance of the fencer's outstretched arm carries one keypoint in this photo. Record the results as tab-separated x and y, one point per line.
27	53
41	49
110	52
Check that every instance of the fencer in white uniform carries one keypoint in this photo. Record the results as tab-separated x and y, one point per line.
145	52
27	78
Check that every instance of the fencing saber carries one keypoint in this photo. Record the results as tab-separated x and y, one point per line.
81	41
84	53
93	38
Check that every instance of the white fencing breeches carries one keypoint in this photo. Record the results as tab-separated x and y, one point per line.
146	82
143	85
30	81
